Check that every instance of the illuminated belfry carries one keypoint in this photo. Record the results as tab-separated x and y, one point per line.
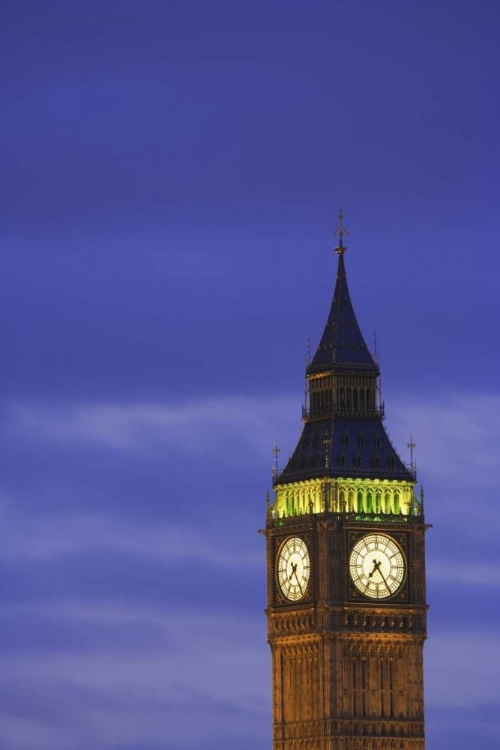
346	562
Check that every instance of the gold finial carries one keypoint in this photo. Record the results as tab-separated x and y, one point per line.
340	232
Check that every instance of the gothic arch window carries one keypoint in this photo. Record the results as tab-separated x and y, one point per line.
377	442
378	501
362	440
360	502
345	440
342	499
392	462
361	398
352	501
342	460
370	505
387	503
375	462
397	499
357	462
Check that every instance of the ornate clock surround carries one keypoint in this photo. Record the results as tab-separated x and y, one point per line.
276	596
351	537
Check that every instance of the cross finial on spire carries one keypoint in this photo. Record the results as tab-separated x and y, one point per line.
340	232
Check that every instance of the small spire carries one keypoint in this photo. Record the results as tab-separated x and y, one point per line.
276	451
411	445
340	232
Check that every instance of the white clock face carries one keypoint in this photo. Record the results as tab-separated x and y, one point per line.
293	569
377	566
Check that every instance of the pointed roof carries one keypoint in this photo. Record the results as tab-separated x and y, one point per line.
344	447
344	439
342	344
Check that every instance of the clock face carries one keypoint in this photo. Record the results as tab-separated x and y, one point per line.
377	566
293	569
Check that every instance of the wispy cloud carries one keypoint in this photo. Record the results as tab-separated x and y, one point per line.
46	538
204	662
195	424
471	572
457	447
456	435
462	668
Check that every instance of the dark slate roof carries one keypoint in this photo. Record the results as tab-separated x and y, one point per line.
342	344
359	448
352	445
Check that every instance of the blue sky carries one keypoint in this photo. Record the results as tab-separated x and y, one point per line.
171	175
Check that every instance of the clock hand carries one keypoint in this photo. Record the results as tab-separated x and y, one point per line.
376	567
383	577
294	568
297	579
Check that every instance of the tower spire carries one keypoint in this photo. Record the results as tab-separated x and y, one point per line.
342	344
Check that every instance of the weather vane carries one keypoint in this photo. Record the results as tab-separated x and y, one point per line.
340	232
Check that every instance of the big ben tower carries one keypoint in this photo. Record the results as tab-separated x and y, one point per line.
346	603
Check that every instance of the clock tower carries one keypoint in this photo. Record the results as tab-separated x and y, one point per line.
346	603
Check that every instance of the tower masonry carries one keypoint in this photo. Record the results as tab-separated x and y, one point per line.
346	600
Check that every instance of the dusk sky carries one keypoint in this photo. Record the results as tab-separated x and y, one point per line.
171	172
